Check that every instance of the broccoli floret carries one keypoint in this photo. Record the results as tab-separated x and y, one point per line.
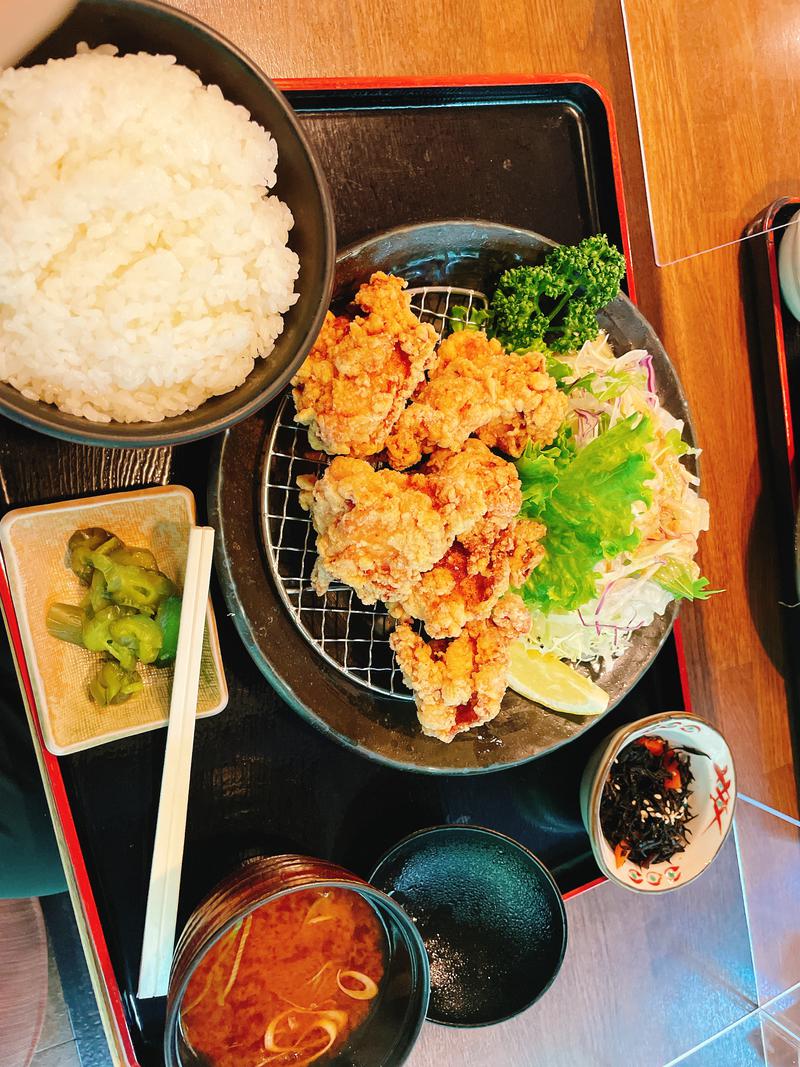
516	316
557	301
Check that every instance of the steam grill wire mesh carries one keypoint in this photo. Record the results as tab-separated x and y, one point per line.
351	636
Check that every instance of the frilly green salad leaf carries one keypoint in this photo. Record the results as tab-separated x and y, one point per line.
474	318
585	499
540	468
677	579
675	443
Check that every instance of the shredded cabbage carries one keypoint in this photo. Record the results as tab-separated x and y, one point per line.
640	581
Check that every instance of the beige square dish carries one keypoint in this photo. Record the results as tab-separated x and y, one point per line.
33	542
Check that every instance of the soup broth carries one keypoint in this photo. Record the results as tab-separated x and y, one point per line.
288	984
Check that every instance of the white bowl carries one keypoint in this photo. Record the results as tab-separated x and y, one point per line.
713	798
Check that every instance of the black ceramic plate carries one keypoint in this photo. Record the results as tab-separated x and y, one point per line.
463	253
491	917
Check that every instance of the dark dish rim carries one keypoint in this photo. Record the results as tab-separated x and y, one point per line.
76	429
418	954
246	628
535	863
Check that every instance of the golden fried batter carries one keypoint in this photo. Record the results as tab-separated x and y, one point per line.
475	383
360	373
477	570
481	488
460	684
378	531
466	585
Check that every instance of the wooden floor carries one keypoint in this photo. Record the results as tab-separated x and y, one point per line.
57	1046
706	181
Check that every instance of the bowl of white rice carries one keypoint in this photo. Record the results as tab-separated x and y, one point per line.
166	236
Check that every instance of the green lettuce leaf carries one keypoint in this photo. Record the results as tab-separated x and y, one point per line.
556	368
588	512
462	319
677	579
586	382
539	470
676	444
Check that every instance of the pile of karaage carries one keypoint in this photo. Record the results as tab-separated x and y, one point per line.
436	534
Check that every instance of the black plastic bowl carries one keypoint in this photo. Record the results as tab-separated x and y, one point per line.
491	917
148	26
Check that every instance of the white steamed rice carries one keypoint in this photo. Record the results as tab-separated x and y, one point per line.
143	268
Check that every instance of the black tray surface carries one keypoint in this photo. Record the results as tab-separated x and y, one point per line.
264	780
775	332
768	230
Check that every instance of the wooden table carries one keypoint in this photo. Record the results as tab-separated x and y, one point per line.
734	643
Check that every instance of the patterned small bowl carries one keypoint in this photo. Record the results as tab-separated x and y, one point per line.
713	798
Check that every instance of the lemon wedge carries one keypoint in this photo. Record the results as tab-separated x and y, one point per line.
545	679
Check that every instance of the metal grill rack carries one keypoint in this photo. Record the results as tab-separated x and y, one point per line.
351	636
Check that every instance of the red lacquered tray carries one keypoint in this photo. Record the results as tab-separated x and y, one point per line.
567	125
779	344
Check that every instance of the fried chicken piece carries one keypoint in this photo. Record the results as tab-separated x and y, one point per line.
465	586
475	383
360	373
376	530
510	435
481	488
476	571
460	684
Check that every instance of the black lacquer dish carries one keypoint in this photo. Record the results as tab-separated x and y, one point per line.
491	917
534	152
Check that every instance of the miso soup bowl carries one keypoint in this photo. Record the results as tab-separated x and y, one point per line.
387	1036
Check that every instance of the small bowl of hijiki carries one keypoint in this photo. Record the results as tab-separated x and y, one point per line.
292	961
657	800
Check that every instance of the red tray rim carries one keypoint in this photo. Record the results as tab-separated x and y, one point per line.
50	763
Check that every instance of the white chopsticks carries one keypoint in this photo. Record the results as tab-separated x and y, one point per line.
158	942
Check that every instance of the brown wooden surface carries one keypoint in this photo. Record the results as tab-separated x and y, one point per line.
733	642
716	91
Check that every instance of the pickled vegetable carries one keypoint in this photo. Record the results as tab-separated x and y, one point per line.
97	598
138	557
113	685
168	618
131	585
65	622
97	636
81	545
129	614
124	634
138	634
